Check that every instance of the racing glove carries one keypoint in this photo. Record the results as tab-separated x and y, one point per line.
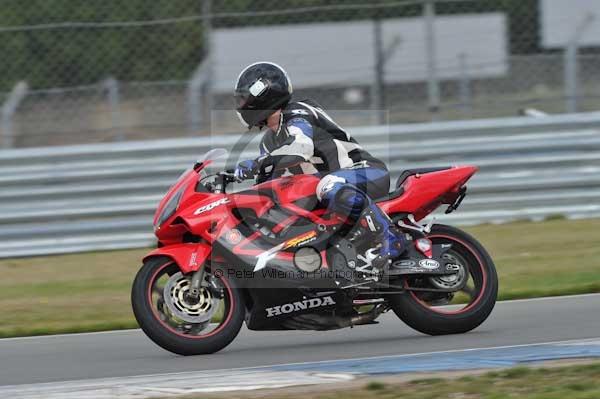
246	170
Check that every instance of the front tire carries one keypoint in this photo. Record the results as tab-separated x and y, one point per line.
422	312
185	329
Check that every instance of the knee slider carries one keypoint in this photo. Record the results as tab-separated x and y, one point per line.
328	187
351	200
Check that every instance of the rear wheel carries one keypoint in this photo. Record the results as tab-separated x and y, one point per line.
474	288
178	323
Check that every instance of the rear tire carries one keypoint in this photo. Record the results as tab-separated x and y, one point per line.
168	335
428	319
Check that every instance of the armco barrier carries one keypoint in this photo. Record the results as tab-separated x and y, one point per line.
102	196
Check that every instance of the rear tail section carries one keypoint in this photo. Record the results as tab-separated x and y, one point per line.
423	193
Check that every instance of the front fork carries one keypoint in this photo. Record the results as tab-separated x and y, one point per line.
198	282
197	279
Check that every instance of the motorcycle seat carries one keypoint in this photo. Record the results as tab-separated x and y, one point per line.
419	171
390	196
398	191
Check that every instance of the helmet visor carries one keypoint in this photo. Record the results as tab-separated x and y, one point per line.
241	99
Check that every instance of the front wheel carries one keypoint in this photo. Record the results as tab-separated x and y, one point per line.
474	288
178	323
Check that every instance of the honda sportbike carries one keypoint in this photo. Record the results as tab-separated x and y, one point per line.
271	256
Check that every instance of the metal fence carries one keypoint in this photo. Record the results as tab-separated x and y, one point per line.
84	72
102	196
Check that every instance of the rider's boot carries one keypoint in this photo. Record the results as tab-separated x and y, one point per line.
358	207
393	243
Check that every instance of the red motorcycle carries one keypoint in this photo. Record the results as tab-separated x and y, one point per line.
273	257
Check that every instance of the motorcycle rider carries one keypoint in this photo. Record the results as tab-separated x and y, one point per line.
299	137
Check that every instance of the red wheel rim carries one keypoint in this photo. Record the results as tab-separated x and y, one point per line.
228	299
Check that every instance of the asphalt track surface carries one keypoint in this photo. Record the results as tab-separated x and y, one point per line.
130	353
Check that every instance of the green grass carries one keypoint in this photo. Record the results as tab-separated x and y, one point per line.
556	257
571	382
70	293
90	292
575	382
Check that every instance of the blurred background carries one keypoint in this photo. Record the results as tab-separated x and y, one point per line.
83	72
105	102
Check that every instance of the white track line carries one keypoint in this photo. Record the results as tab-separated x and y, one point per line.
546	298
167	385
130	330
509	301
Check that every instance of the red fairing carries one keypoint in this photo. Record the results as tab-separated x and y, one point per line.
424	193
291	188
188	180
208	215
171	231
259	203
189	257
183	181
208	218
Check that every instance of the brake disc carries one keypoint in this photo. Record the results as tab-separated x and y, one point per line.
176	299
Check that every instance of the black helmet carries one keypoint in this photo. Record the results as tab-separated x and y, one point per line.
261	89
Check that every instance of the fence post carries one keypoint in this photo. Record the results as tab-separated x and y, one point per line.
9	108
207	86
195	91
465	84
382	57
571	77
433	88
377	90
111	85
193	100
571	65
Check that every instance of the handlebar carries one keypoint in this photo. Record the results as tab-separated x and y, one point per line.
223	179
226	177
